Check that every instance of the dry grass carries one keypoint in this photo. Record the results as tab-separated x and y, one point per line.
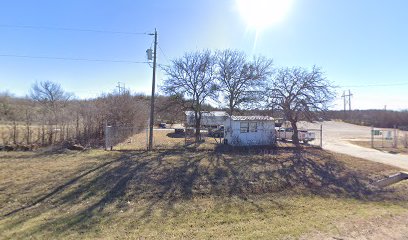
386	148
35	137
188	194
163	139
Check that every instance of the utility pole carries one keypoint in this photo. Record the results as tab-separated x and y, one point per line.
119	87
345	101
152	96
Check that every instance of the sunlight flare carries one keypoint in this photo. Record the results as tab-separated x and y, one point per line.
261	14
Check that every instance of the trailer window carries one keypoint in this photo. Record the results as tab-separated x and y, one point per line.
244	127
253	127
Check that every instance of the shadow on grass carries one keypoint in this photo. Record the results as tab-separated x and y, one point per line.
165	177
176	135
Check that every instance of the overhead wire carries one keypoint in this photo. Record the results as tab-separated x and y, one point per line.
71	29
71	59
164	55
376	85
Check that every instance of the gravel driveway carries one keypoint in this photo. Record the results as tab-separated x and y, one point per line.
336	137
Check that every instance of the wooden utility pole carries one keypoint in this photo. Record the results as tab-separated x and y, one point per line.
152	96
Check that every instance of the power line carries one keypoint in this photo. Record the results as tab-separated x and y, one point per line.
70	59
376	85
167	59
71	29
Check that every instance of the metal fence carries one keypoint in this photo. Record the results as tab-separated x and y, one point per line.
125	138
131	138
307	136
388	138
318	136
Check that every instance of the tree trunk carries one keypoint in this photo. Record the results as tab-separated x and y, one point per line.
28	134
295	136
42	135
50	134
14	132
67	133
198	126
77	126
28	123
231	107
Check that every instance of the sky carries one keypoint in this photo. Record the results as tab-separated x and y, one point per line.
360	45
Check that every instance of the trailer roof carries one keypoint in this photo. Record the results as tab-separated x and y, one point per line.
209	113
252	118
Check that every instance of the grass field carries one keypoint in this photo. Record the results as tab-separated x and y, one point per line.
175	194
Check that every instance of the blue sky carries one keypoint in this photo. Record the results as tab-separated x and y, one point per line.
361	45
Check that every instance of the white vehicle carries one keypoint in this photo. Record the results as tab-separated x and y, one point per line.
287	133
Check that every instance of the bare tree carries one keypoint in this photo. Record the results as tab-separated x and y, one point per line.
49	94
192	78
240	80
300	94
52	99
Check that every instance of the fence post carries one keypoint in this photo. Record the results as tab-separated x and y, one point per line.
382	139
395	137
372	137
321	135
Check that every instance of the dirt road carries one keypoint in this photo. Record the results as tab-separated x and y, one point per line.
336	137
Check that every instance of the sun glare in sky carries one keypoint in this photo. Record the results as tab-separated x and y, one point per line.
261	14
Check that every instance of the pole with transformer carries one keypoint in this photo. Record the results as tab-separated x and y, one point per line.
153	90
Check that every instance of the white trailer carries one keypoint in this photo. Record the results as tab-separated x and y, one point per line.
209	119
287	133
249	131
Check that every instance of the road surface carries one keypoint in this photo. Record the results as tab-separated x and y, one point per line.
336	137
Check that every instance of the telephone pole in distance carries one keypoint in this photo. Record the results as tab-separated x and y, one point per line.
153	90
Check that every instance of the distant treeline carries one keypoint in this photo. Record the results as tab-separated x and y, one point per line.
376	118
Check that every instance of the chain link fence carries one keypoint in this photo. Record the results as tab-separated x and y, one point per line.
389	138
317	134
125	138
131	138
307	136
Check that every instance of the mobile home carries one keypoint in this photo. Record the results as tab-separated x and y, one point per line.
249	131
